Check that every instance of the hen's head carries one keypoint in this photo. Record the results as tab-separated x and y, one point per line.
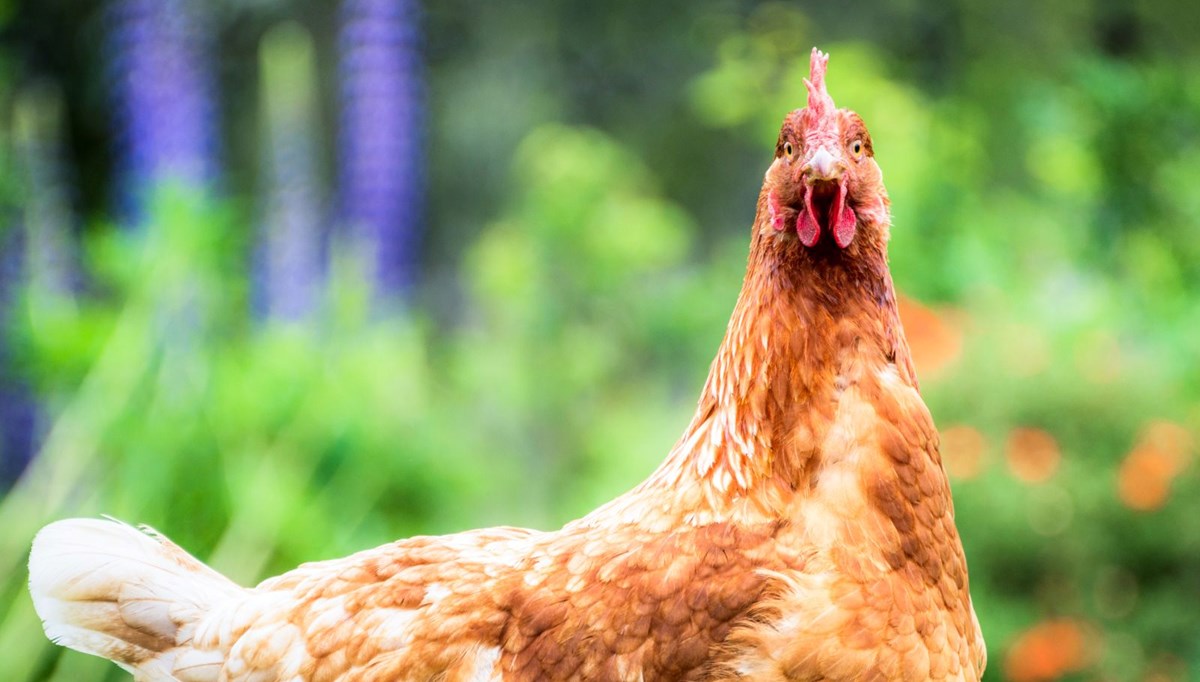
824	182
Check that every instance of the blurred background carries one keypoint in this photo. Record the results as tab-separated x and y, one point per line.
287	279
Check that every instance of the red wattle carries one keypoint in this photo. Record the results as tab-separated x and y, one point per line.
843	230
806	222
807	228
844	220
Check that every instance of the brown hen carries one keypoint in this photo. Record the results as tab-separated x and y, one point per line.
801	529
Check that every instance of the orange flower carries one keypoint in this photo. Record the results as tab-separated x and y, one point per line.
963	450
1049	650
934	341
1162	453
1144	479
1172	440
1033	454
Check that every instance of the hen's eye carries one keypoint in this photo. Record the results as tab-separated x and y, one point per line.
787	149
856	148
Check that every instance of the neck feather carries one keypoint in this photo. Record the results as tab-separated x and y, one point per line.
807	325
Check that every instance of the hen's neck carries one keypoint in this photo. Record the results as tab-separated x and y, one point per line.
808	325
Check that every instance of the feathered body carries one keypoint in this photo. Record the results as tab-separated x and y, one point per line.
801	529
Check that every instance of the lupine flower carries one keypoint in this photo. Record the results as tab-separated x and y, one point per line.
165	116
380	147
18	410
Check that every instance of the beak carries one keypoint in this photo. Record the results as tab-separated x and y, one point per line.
823	165
825	191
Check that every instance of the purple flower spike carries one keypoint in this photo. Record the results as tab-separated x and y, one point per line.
165	113
381	139
18	409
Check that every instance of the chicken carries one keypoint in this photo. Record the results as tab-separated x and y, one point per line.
800	529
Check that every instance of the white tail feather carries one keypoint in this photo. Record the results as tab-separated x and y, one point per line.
108	589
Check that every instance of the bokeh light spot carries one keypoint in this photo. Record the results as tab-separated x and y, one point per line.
934	340
964	450
1162	452
1033	454
1049	650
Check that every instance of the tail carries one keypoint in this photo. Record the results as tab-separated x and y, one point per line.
126	594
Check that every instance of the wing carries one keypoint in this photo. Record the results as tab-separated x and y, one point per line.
423	602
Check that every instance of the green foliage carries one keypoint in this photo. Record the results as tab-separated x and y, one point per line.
1046	209
259	446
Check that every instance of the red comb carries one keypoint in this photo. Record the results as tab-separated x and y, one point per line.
820	104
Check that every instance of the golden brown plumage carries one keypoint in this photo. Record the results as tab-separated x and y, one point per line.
801	529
